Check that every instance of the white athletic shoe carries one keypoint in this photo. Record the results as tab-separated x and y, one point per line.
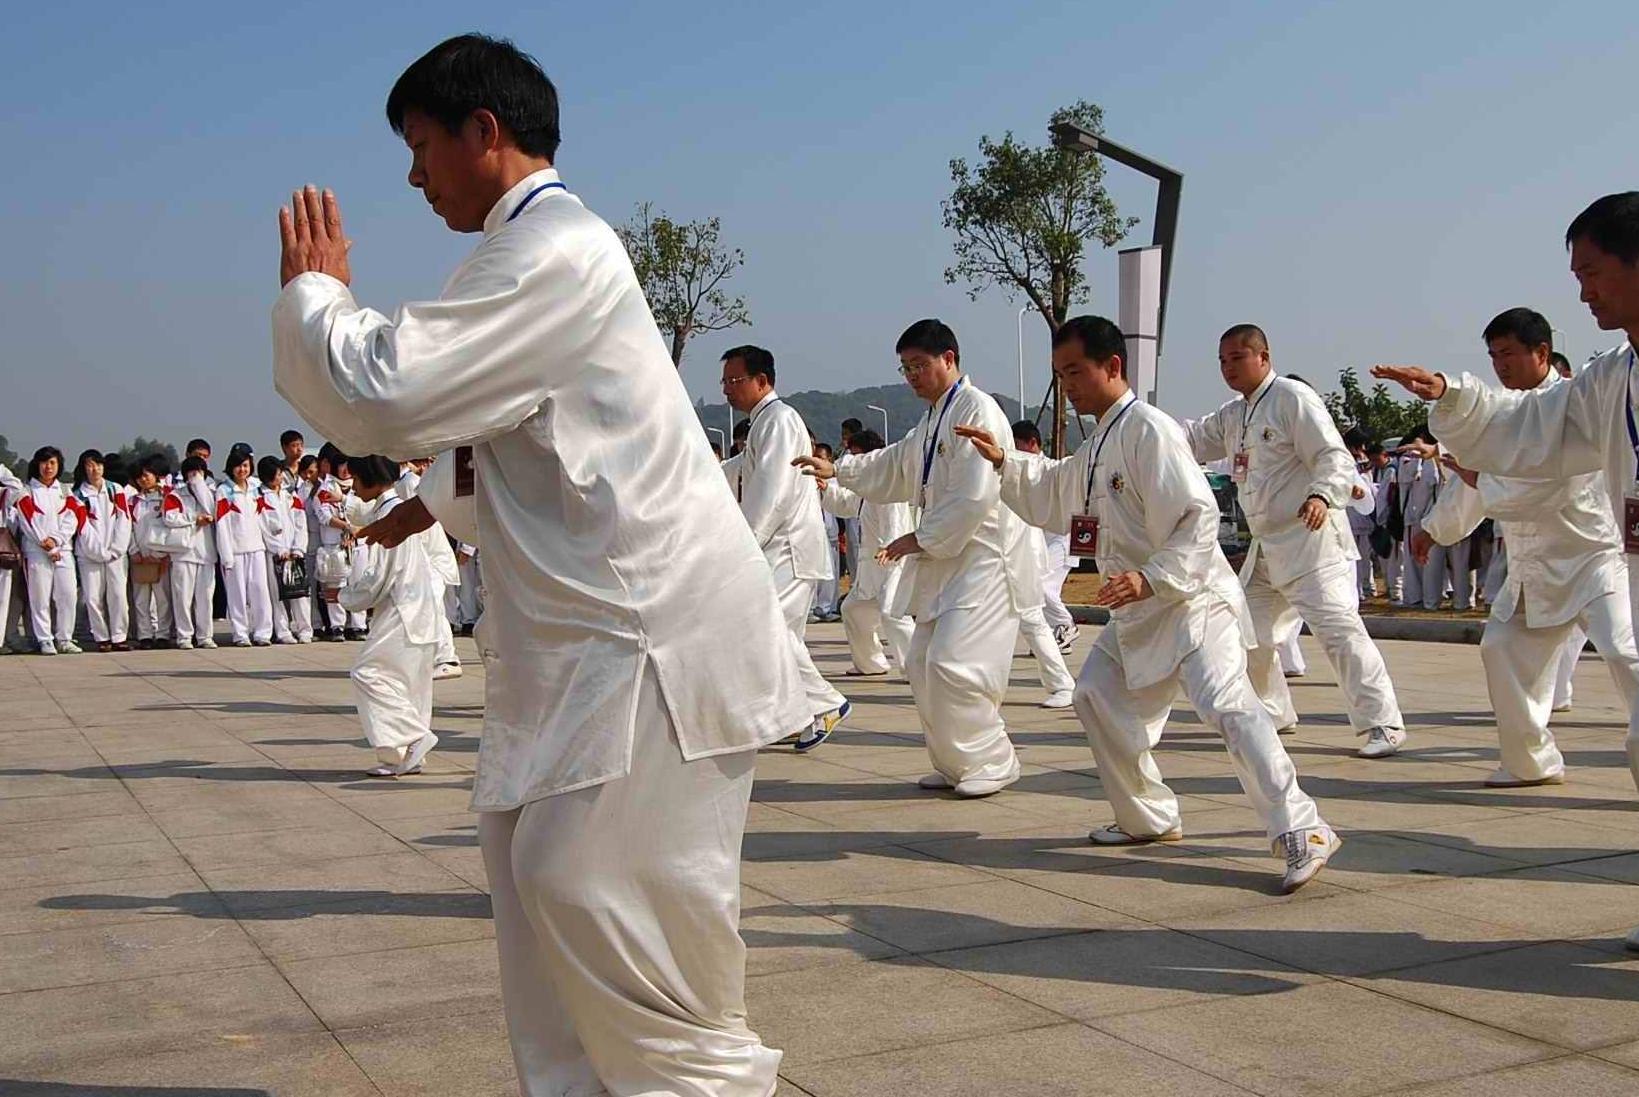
46	647
447	670
1566	707
934	781
1501	778
237	644
1065	636
413	759
1062	699
69	647
184	645
1633	941
305	638
261	643
1113	835
1382	742
287	638
1307	852
206	643
974	788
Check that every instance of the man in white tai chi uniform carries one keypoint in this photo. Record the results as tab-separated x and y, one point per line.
970	569
1295	478
1135	498
617	754
1565	569
1590	424
866	621
1027	439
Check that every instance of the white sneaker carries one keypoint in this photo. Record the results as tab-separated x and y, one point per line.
1501	778
1382	742
1113	835
207	642
1307	852
237	644
1065	636
184	645
261	643
46	647
974	788
305	638
69	647
1061	699
287	638
447	670
1633	941
934	781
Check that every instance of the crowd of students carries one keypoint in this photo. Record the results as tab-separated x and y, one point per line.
148	556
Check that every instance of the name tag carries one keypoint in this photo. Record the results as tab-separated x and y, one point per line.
1084	535
1630	525
466	480
1238	466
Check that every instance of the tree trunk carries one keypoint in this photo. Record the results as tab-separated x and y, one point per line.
680	339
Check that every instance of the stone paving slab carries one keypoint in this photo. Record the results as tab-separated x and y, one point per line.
201	894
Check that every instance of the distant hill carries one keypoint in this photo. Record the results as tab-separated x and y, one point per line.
825	411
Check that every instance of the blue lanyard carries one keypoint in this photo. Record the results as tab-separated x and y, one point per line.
932	444
1092	468
530	197
1633	429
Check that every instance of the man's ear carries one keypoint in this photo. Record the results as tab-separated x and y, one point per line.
486	128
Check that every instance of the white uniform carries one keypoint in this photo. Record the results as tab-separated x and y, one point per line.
1059	566
825	590
101	550
49	513
865	618
284	531
1386	479
393	675
1566	569
465	604
1282	439
635	652
782	508
1553	433
1038	634
243	552
1156	515
446	570
151	602
1421	481
193	570
333	504
976	574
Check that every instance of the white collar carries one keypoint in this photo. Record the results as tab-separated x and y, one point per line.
1261	389
763	403
1115	409
513	198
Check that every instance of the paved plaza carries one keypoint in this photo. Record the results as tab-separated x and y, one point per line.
200	894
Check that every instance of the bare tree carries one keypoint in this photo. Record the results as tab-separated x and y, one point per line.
682	267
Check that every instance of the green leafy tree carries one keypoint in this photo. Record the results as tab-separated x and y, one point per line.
1023	217
1377	412
682	266
10	458
140	447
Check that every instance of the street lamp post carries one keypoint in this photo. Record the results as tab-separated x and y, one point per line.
1027	308
722	439
884	411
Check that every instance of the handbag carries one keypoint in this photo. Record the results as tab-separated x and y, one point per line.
1396	524
292	576
332	565
145	573
11	553
1382	541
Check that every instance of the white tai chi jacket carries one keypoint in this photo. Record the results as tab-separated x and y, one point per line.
611	543
1293	451
971	544
1564	547
403	574
879	523
779	502
1156	515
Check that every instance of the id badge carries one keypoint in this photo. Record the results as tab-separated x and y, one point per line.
1630	525
1084	535
1238	466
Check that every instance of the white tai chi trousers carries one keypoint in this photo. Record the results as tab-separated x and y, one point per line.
1520	667
393	686
617	911
1055	676
293	618
1564	687
866	625
1123	726
445	651
193	589
151	607
958	667
250	614
5	606
107	605
796	599
1052	582
52	585
1329	604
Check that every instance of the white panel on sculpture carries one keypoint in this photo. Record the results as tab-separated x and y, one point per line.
1139	315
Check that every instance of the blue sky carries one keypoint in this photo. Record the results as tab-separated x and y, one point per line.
1370	182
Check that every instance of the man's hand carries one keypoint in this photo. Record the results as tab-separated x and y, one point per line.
1467	476
817	467
1426	450
898	549
1421	543
1123	589
399	524
310	238
983	442
1313	512
1417	380
49	544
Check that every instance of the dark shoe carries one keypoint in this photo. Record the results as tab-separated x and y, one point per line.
163	644
104	646
145	645
122	646
355	634
334	636
466	630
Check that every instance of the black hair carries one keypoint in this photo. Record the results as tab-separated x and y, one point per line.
79	466
268	469
237	457
1529	326
823	449
1354	437
332	453
852	426
1559	361
1025	431
290	436
742	429
308	461
113	468
931	337
1251	333
41	456
758	362
1611	224
866	441
716	450
156	463
1099	337
1373	448
373	471
192	465
196	443
476	72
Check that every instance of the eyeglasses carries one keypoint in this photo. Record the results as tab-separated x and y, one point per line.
727	381
915	367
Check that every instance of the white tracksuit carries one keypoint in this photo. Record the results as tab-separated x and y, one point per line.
976	575
332	504
865	620
392	678
1291	452
243	551
50	513
101	550
1565	570
1157	515
193	570
151	602
283	519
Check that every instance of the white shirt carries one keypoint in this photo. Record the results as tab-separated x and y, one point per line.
612	546
971	544
434	540
1156	515
1564	547
1293	452
879	523
780	504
